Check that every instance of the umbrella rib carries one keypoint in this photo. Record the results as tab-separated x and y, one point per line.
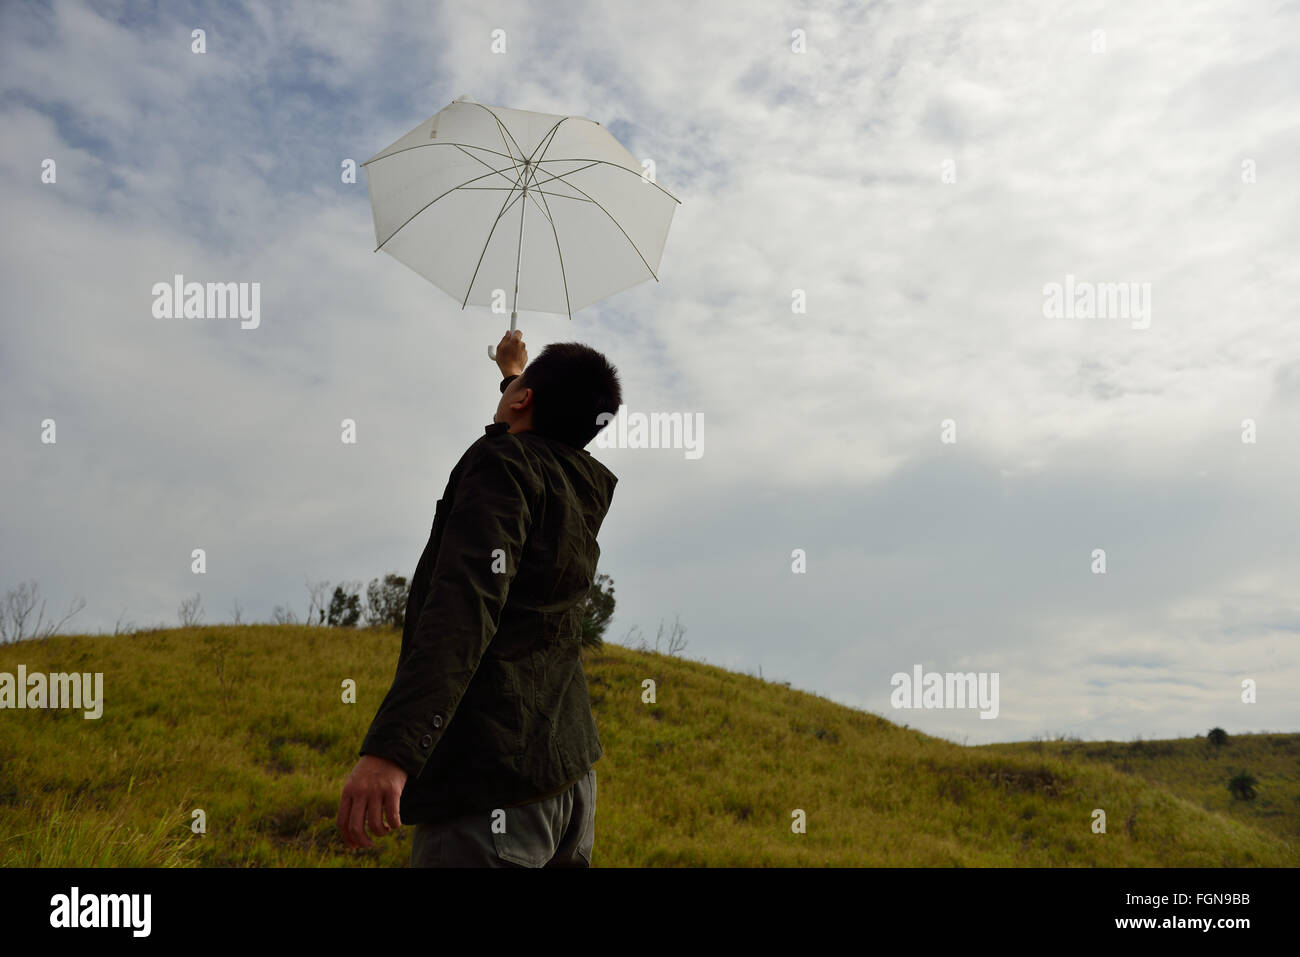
576	199
464	147
420	146
574	159
479	159
518	196
549	139
483	252
531	170
511	202
553	178
501	127
559	176
515	164
512	187
434	200
559	252
530	174
612	220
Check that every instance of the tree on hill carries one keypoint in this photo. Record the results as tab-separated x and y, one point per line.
316	609
345	605
1217	737
190	611
597	609
284	616
1242	786
676	644
386	601
16	614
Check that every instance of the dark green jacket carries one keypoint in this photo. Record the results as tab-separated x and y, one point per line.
489	707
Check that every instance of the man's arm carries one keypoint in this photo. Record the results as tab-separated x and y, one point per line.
493	509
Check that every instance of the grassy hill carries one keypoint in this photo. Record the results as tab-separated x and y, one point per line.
1195	769
247	723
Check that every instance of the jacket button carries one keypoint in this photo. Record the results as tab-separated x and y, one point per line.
426	742
437	721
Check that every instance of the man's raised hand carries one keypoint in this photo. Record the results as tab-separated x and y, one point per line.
512	354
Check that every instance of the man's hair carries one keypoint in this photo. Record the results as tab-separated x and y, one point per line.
572	384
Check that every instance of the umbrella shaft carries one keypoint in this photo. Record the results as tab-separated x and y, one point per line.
519	252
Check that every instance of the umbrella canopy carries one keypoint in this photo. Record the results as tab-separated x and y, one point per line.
525	210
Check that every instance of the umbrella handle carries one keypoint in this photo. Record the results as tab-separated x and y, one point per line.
492	350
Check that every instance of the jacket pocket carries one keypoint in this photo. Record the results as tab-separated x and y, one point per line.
562	627
505	686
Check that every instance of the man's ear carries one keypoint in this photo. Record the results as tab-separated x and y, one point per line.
524	401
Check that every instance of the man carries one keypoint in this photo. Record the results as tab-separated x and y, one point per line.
486	740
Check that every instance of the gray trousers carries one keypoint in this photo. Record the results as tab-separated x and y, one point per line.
556	832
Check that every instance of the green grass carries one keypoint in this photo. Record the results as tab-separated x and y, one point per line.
1197	770
247	723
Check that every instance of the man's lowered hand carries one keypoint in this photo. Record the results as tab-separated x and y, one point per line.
372	795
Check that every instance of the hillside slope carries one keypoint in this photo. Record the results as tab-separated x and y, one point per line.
1197	770
247	724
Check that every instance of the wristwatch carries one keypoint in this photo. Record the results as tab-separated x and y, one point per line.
505	383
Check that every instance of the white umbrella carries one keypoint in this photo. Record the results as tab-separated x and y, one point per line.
537	211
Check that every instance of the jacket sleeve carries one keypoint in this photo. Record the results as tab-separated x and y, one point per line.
493	509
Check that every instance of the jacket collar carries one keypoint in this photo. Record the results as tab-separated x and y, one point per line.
499	428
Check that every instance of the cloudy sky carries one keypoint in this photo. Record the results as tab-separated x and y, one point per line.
922	172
